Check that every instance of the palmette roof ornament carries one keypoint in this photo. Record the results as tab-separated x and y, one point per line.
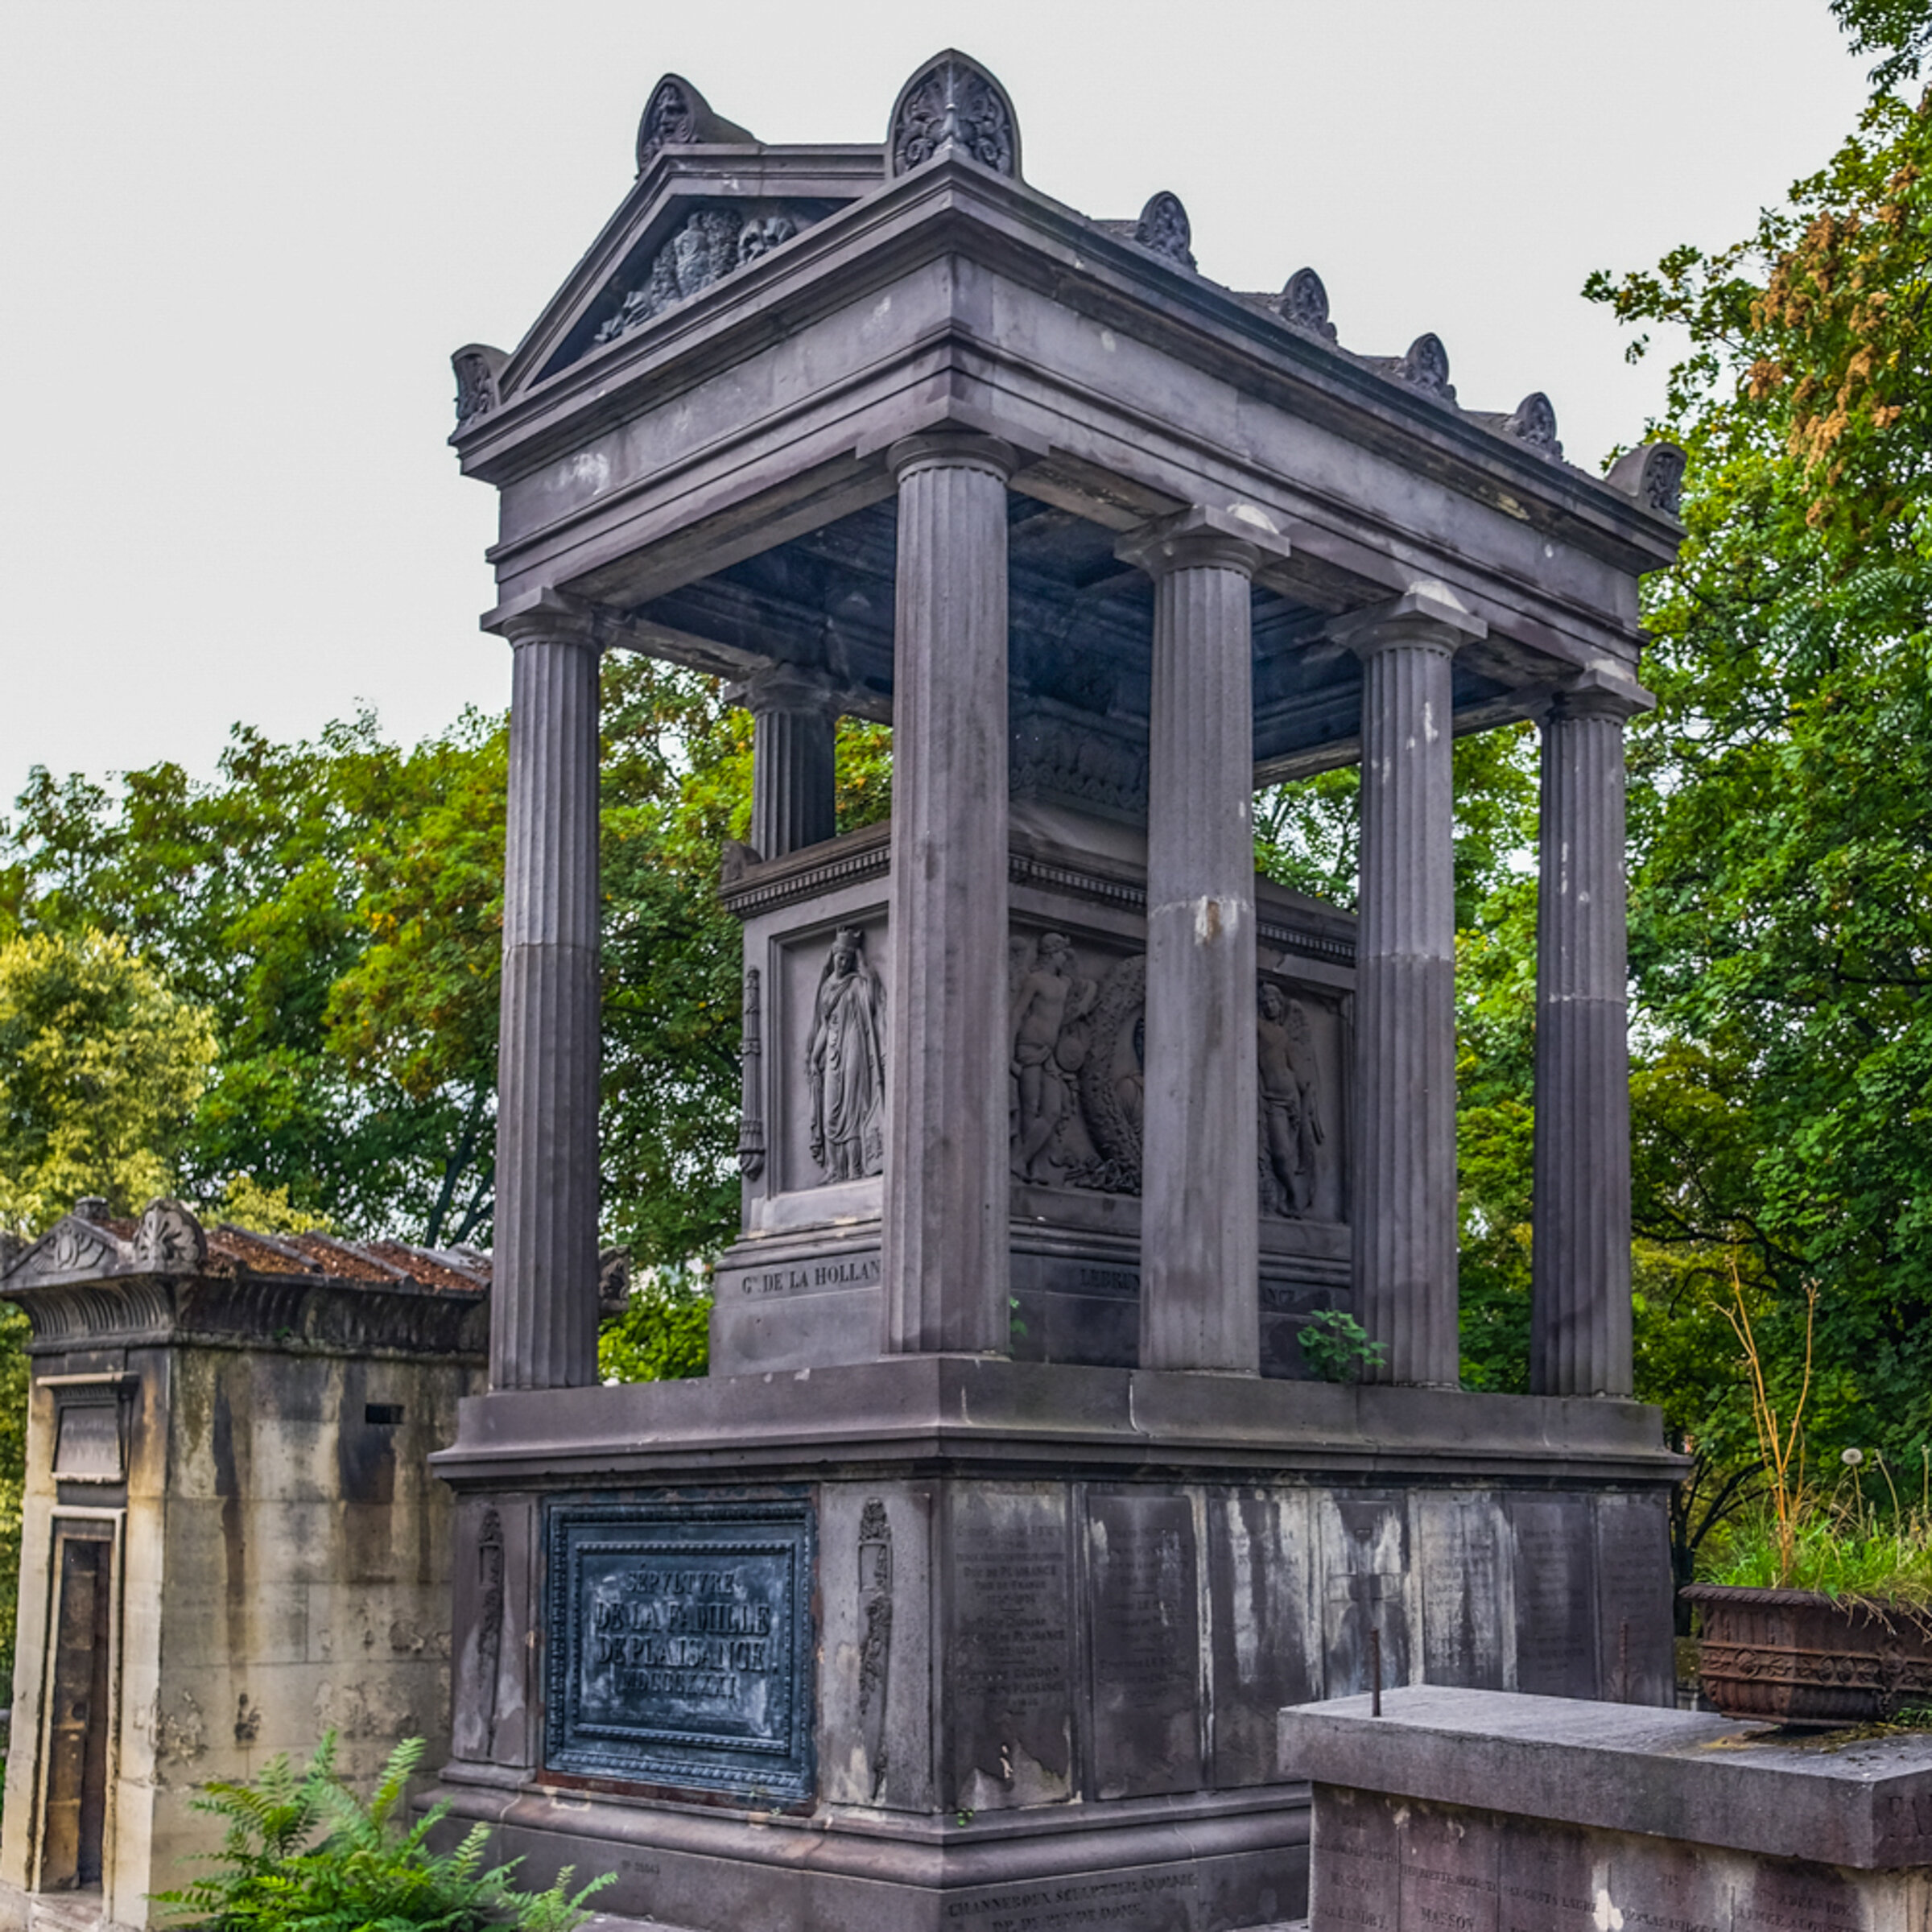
477	366
1425	367
1654	473
1533	421
952	102
677	115
1164	228
1304	304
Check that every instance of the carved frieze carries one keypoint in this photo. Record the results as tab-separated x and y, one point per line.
710	243
1304	305
1056	757
953	102
845	1063
1164	228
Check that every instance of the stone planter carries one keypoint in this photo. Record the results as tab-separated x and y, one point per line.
1797	1657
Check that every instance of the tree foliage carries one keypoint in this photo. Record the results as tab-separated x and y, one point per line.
102	1064
1782	801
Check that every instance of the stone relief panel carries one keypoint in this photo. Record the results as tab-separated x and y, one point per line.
845	1062
821	1032
712	242
1077	1076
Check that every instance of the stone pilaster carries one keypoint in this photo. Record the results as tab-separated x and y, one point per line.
1579	1326
1404	1211
1199	1235
945	1233
793	783
543	1291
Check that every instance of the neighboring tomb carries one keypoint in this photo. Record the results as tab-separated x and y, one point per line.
966	1589
1489	1812
232	1540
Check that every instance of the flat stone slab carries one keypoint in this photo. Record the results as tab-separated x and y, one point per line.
1681	1775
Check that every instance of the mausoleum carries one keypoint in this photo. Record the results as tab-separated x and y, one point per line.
231	1540
968	1586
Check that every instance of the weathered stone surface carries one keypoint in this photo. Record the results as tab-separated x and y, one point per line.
945	1201
1693	1778
1404	1254
543	1320
1580	1331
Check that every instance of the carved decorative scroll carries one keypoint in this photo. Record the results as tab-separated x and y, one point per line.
875	1641
751	1107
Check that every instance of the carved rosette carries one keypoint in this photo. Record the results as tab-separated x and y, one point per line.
1304	305
953	102
1533	421
1164	228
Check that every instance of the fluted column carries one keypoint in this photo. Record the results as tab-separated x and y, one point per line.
1199	1232
1579	1321
1404	1215
945	1236
543	1290
793	795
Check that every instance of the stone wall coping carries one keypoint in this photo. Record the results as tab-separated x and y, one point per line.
986	1410
1865	1803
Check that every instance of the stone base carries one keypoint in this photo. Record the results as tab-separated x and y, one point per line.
1470	1808
956	1641
1185	1867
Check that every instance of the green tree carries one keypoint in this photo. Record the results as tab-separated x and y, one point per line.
1781	798
102	1063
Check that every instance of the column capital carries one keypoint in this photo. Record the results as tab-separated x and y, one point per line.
795	687
1598	693
546	617
952	449
1204	538
1427	614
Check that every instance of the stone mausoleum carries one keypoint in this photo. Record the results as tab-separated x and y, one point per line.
967	1589
231	1540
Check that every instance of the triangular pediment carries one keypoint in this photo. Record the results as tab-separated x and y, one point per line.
709	201
167	1239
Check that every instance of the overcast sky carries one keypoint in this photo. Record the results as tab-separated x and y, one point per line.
241	238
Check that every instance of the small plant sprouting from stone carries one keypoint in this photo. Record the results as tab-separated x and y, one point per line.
302	1851
1337	1347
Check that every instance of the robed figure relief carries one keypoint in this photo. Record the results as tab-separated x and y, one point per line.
845	1063
1291	1126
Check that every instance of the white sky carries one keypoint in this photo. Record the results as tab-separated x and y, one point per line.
241	237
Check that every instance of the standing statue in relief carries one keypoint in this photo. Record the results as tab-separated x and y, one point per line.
1050	1005
1291	1126
845	1063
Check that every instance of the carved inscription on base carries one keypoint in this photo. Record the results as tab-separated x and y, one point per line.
681	1646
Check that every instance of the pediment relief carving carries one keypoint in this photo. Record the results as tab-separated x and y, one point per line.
73	1248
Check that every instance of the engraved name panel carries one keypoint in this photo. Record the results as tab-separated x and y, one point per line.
681	1646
